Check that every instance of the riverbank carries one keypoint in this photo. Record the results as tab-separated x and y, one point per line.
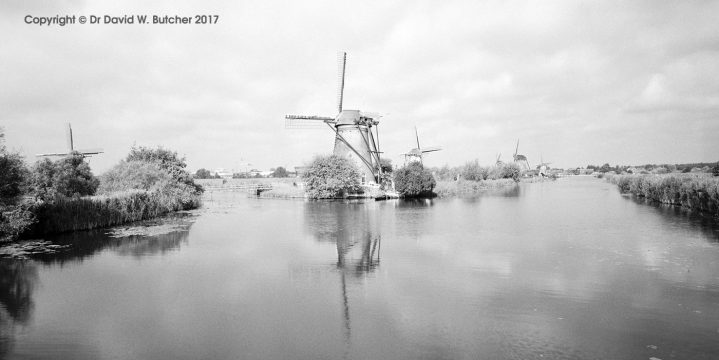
697	192
91	212
462	187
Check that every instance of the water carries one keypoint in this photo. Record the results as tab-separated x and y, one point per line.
557	270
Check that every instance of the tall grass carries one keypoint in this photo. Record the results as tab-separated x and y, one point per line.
468	188
697	192
72	214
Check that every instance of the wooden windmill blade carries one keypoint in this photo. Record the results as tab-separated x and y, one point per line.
90	152
431	149
307	121
341	67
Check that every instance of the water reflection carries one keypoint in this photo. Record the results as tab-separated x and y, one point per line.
145	238
18	280
354	228
678	217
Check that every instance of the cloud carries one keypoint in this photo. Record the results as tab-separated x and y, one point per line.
570	79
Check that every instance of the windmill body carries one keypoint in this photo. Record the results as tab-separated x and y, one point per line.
354	137
354	140
519	159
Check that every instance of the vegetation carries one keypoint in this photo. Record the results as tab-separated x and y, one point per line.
472	171
66	214
205	174
696	192
156	171
68	177
413	180
461	187
57	196
15	211
280	172
330	177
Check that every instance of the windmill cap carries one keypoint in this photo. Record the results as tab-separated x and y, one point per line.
348	117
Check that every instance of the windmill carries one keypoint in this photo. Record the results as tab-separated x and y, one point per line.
521	160
71	147
419	152
354	138
499	162
542	167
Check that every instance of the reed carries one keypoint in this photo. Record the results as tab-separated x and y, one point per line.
72	214
468	188
698	192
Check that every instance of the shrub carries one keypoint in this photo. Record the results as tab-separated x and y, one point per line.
15	214
330	177
511	171
128	175
69	176
167	160
158	171
13	178
414	180
474	172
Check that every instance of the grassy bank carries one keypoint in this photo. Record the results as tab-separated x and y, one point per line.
447	188
698	192
90	212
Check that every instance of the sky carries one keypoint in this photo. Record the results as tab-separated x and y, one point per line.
575	82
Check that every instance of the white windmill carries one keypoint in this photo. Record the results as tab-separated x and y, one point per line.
354	138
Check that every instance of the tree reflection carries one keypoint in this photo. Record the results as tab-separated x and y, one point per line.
151	237
18	280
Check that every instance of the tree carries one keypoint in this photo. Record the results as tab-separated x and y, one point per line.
331	177
715	170
203	174
167	160
15	213
413	180
139	175
280	172
70	176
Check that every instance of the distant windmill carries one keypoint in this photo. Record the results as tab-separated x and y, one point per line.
71	147
419	152
521	160
499	162
353	131
542	167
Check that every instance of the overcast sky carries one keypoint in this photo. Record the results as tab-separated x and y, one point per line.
624	82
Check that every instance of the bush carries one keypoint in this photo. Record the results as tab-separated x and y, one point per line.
129	175
474	172
167	160
330	177
157	171
280	172
70	177
13	178
15	214
413	180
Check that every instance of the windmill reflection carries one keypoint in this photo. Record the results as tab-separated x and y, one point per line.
354	228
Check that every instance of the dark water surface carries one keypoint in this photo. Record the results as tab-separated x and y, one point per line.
559	270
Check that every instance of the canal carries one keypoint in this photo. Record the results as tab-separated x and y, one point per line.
568	269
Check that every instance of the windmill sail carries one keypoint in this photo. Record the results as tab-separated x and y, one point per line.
71	147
